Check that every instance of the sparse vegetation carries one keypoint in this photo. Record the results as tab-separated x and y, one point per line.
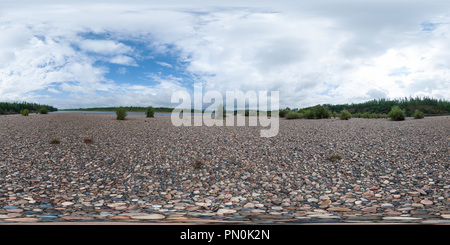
24	112
294	115
321	111
334	158
150	112
55	141
345	115
88	140
418	114
397	114
197	164
121	113
43	111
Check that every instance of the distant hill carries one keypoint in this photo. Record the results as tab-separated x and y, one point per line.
428	106
15	107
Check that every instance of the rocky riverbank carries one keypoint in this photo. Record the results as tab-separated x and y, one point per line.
91	167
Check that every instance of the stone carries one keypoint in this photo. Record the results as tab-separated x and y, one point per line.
370	209
149	217
426	202
312	199
403	218
387	205
249	205
326	202
120	217
225	211
338	209
25	219
65	204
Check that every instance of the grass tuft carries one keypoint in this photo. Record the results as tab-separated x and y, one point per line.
55	141
334	158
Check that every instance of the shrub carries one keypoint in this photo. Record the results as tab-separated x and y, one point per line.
345	115
220	112
294	115
321	112
309	114
418	114
150	112
43	111
197	164
88	140
24	112
282	113
397	114
55	141
334	158
121	113
334	114
1	111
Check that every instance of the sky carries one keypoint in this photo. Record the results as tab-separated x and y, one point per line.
80	54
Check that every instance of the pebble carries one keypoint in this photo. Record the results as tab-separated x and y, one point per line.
226	211
384	174
148	217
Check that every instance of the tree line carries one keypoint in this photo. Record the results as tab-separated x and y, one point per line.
17	107
127	108
427	105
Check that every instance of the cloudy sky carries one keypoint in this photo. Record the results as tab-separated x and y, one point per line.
73	54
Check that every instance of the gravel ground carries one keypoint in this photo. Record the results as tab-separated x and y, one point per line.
146	170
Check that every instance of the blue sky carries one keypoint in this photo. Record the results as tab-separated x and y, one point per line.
73	54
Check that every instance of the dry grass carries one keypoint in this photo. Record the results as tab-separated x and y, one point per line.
55	141
88	140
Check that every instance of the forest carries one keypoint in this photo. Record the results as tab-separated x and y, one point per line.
16	107
428	106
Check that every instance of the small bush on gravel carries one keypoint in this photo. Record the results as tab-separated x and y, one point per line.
345	115
198	164
88	140
321	111
418	114
121	113
150	112
1	111
43	111
309	114
24	112
55	141
397	114
334	158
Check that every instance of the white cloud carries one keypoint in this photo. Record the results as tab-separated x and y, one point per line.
105	47
165	64
312	52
